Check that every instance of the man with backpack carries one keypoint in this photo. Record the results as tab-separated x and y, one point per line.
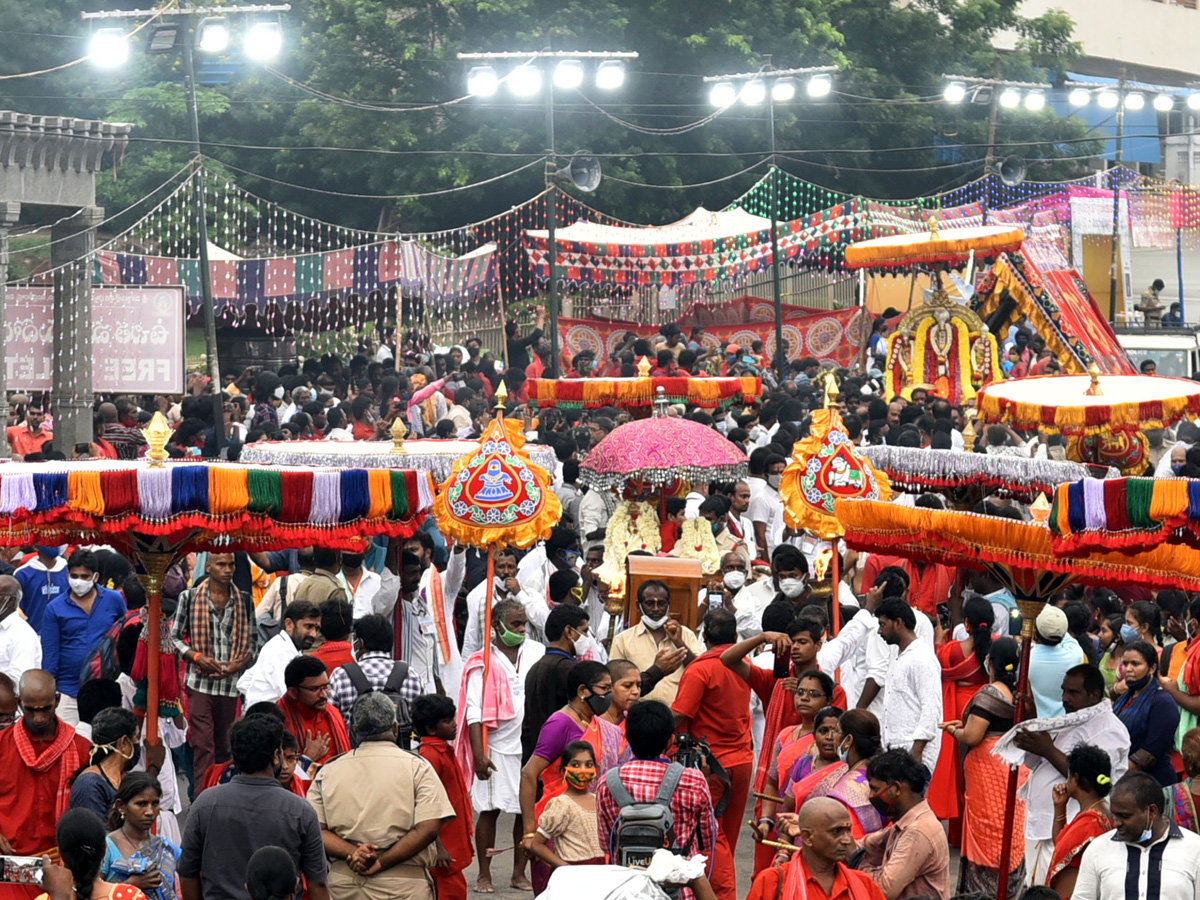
652	802
375	670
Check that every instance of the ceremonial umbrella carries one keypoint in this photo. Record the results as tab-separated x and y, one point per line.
496	497
1023	558
950	248
966	478
156	512
827	467
1102	416
638	393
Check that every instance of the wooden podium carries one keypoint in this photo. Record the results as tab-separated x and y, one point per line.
684	577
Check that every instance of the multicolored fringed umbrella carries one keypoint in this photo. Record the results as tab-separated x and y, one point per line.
638	393
496	497
1125	514
156	512
827	467
432	456
1023	558
1103	416
966	478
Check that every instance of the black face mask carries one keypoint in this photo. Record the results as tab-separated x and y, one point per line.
599	703
352	560
133	760
278	769
882	807
1138	683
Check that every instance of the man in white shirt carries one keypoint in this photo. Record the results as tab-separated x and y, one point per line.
360	584
335	425
912	707
506	587
20	647
496	785
766	506
438	591
595	509
1145	857
1043	744
264	680
788	570
415	624
738	523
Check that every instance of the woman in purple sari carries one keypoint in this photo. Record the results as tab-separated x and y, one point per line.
860	740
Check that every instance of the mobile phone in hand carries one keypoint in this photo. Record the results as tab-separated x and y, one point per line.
21	869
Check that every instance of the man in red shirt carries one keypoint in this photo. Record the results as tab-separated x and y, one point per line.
928	583
30	436
336	618
713	704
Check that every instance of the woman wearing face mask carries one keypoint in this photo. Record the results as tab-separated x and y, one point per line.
1143	622
821	766
859	740
115	751
1148	712
1111	648
987	717
963	674
590	688
569	820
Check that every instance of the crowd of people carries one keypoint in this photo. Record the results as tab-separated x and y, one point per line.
328	726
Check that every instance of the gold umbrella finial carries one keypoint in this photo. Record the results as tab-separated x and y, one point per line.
831	390
643	367
501	396
1094	388
398	432
1040	509
933	228
969	435
157	433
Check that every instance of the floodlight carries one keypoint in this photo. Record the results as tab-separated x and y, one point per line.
482	81
568	74
1108	99
163	38
1079	97
610	75
723	94
1164	102
955	92
754	93
109	48
783	90
1035	100
1135	101
525	81
263	41
1010	98
212	36
1193	100
820	85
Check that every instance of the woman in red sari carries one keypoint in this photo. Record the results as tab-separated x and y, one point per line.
1088	782
818	770
962	676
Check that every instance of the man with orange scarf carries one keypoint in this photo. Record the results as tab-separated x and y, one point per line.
819	871
38	756
306	709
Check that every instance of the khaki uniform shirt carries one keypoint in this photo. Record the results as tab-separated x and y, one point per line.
638	645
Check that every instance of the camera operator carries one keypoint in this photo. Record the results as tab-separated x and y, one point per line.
713	705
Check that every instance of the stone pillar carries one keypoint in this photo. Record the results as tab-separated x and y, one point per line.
9	213
71	256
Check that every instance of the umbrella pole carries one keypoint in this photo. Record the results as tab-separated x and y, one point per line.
835	584
155	565
487	644
1010	793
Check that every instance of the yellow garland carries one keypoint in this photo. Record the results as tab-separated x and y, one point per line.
918	373
696	541
623	537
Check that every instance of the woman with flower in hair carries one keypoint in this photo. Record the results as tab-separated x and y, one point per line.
987	717
1089	780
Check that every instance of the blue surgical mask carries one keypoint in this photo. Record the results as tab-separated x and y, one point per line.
844	753
1177	468
1129	633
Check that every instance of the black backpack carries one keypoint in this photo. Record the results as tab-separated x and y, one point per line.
391	690
642	828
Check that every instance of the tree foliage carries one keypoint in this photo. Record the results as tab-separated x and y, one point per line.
884	133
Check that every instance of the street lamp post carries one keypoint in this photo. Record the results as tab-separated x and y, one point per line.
772	86
263	42
533	73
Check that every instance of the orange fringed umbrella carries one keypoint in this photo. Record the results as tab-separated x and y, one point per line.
952	247
826	467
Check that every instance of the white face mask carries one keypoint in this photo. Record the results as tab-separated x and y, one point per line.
80	587
792	587
774	481
501	585
583	644
653	624
735	580
279	393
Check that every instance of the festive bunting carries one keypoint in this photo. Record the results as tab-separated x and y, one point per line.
1125	513
638	393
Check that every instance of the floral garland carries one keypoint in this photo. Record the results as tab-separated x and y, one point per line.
696	541
633	527
963	350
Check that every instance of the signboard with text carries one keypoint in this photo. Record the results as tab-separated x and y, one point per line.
137	339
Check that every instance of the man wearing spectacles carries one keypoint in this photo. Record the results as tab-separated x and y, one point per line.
308	712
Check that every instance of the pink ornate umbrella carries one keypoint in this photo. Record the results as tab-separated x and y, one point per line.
660	451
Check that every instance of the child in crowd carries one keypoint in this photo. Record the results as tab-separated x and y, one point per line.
434	718
569	820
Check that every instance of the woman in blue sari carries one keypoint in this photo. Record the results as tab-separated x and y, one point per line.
1149	713
135	856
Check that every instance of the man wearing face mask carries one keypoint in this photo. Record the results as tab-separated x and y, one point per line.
74	624
567	629
506	586
766	507
1146	855
493	775
20	647
42	579
912	857
644	642
789	581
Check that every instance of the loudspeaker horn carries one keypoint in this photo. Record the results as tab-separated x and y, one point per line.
1011	171
583	171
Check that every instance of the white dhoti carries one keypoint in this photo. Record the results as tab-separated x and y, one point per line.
502	790
1038	855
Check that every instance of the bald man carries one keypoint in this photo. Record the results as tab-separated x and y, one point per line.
822	830
20	647
38	756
